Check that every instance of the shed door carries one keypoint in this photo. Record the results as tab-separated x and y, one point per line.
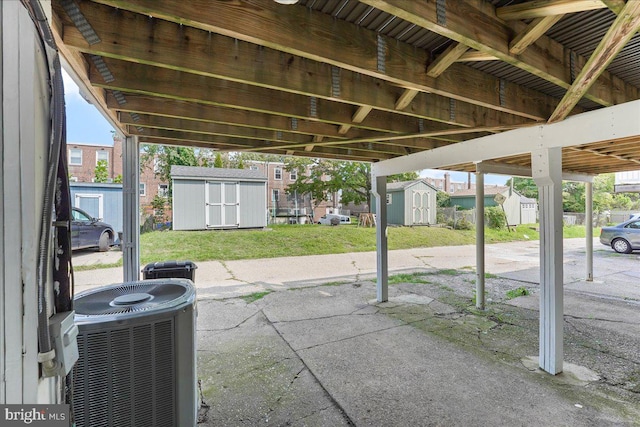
222	204
420	208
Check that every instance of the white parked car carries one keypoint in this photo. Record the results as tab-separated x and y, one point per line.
334	219
635	216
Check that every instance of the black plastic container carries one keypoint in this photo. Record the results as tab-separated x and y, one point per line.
170	269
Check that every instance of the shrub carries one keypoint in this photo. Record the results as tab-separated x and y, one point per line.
495	217
461	224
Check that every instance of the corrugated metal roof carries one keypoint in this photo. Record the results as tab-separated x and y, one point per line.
581	32
219	173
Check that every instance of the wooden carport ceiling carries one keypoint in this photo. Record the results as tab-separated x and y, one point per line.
359	80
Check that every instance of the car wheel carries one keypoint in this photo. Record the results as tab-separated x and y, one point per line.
621	246
103	243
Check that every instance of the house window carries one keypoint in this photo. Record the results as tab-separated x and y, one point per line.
275	194
389	199
293	175
143	189
277	173
75	156
163	190
253	168
102	155
156	165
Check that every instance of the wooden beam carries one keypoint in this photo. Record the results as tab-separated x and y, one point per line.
402	139
152	81
405	99
620	32
482	31
448	57
303	32
543	8
358	117
231	116
213	129
475	56
78	70
533	32
126	36
613	123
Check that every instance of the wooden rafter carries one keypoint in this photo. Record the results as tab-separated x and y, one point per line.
533	32
302	32
196	51
623	28
543	8
483	32
448	57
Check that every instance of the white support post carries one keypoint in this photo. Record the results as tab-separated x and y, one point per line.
380	192
131	209
480	300
547	173
588	223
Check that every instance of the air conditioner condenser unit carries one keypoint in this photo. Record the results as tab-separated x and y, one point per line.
137	355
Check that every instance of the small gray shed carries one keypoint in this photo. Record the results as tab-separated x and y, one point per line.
211	198
411	203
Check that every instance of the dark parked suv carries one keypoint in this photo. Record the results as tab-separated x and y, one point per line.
88	232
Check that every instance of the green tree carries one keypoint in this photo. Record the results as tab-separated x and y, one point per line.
443	199
573	198
218	163
162	157
525	186
100	173
319	178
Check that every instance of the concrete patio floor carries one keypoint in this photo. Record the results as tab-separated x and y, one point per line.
331	356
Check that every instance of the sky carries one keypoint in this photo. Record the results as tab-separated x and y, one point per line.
86	125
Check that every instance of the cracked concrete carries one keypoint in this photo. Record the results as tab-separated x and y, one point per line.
302	357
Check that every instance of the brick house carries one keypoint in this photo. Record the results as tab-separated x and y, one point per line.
283	207
83	159
445	184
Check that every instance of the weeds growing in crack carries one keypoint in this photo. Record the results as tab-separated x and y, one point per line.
254	296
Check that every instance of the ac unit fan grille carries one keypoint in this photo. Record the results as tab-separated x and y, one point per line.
106	301
125	377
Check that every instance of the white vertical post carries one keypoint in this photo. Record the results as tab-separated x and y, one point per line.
382	264
480	300
131	209
588	223
546	165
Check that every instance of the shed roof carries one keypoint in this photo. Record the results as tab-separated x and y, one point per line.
216	173
401	185
488	191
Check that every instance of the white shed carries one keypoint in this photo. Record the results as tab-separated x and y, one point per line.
210	198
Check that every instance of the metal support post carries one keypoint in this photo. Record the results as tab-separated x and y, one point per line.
131	209
588	224
380	193
547	173
480	300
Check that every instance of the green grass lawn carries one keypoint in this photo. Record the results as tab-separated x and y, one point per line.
296	240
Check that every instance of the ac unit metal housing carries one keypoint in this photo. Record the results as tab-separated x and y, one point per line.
137	355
